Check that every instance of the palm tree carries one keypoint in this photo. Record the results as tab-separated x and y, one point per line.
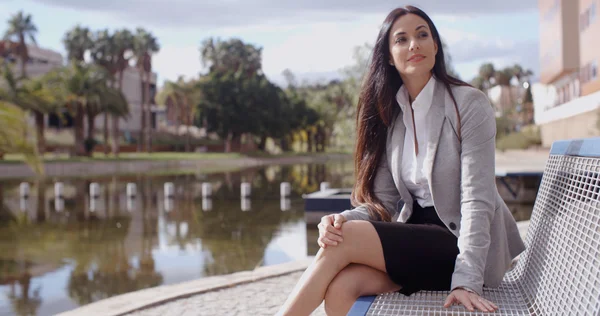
82	86
34	95
104	54
145	44
77	42
112	102
123	46
487	72
20	27
185	96
12	139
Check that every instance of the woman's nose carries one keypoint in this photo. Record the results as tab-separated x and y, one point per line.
414	45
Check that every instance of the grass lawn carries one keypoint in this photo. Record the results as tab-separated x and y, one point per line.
51	158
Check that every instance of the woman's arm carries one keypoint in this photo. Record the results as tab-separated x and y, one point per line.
478	190
384	189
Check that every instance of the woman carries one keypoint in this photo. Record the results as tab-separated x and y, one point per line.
427	139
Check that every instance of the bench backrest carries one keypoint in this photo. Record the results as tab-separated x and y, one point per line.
559	273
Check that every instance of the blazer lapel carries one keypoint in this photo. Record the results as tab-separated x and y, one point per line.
395	147
435	120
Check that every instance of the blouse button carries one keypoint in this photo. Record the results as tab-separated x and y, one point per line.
452	226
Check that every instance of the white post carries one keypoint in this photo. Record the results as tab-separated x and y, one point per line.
94	190
285	189
286	204
207	204
246	190
131	190
23	203
324	186
130	203
24	190
169	190
206	189
168	205
246	204
58	190
59	204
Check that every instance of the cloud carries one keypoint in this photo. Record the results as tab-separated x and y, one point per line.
174	61
197	13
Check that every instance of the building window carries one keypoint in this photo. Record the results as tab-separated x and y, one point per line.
594	70
587	17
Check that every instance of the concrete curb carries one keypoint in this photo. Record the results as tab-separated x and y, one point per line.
134	301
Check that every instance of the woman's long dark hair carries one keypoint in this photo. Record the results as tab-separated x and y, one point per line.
377	108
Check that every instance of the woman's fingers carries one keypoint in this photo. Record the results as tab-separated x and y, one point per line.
470	301
328	241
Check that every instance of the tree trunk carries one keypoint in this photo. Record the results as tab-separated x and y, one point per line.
141	138
263	143
40	127
309	141
115	123
78	130
90	132
228	142
23	56
115	135
105	132
148	110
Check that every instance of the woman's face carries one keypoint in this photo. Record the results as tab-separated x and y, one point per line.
412	48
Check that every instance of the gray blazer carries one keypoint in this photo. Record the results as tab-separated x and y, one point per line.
461	178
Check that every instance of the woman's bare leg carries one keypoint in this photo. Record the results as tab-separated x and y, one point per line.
352	282
361	245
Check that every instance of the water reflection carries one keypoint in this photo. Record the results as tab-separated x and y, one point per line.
60	252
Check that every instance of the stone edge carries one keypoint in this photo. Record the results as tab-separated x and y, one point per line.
138	300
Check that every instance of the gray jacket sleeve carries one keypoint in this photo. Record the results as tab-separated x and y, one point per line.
384	189
478	189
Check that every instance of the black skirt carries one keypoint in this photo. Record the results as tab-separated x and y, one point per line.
419	254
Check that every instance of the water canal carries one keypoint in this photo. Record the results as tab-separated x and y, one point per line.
57	256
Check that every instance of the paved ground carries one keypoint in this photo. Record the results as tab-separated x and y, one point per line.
256	299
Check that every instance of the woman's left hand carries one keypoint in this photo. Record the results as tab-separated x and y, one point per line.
470	301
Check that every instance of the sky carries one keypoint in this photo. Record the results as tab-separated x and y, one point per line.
315	39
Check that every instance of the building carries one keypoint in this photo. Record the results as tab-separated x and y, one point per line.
42	60
567	98
133	89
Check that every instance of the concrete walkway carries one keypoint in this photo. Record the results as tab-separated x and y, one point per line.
258	292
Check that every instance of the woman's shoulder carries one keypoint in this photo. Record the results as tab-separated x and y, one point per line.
471	102
467	94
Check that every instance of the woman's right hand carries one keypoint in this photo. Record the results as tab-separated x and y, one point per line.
330	230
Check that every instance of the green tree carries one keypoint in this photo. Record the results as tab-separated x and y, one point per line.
12	135
123	41
487	72
32	95
185	96
78	41
145	45
21	28
104	54
82	85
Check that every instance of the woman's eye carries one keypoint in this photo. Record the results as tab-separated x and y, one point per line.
424	34
400	40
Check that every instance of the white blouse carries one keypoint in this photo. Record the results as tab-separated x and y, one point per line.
414	173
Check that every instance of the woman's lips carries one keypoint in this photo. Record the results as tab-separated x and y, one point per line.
416	58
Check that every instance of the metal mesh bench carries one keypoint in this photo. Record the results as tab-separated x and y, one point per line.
559	273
